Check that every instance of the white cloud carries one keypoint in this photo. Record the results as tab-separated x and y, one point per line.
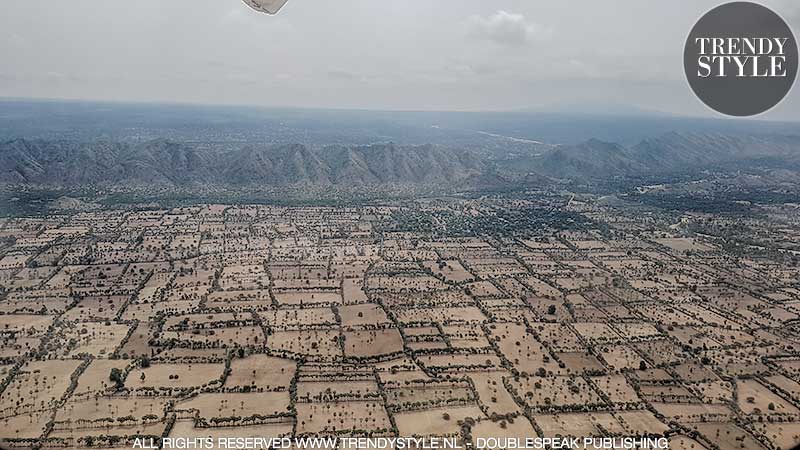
506	28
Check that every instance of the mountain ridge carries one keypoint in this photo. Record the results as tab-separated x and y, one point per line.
669	153
169	162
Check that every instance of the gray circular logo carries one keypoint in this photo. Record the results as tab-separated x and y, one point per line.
740	59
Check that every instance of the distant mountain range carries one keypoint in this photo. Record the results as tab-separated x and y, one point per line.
171	163
672	153
167	162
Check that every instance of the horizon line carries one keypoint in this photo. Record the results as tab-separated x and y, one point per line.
642	113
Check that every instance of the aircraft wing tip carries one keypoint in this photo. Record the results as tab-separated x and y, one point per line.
270	7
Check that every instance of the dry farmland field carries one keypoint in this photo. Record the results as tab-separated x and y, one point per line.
253	320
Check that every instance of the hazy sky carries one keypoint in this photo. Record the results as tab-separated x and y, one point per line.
380	54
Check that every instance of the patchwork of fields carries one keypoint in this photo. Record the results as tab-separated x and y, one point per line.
266	321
